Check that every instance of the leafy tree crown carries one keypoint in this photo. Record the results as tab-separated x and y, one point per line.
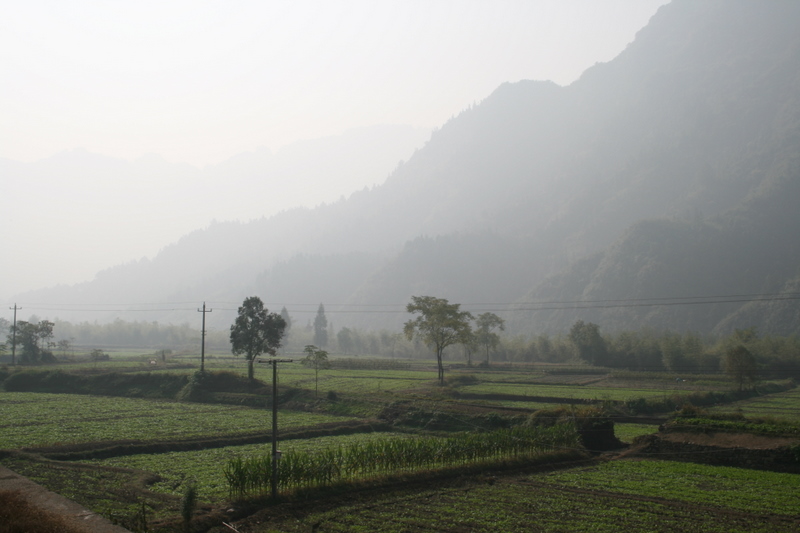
256	330
439	323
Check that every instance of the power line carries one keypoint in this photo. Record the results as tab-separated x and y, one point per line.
397	308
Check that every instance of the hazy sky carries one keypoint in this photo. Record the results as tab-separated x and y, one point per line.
201	81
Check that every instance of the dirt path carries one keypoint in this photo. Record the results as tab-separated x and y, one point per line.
78	518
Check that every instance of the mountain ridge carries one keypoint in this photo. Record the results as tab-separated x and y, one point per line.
678	147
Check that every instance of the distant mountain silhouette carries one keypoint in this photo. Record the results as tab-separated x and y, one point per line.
85	208
670	172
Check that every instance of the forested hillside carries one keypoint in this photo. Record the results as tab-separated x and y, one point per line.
669	173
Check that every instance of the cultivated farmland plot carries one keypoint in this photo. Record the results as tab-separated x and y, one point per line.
138	364
356	381
531	406
560	391
602	498
782	405
591	498
205	468
751	491
626	432
38	419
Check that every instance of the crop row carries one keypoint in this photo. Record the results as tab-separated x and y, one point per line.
775	429
610	497
519	509
205	469
755	491
252	476
785	405
556	505
560	391
533	406
357	381
39	419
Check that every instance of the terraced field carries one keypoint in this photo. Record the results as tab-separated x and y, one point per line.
610	497
561	391
357	381
750	491
626	432
204	468
40	419
782	405
613	496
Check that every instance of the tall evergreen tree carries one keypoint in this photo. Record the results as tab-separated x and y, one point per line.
321	328
288	319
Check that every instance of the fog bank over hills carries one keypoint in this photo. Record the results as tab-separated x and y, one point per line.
671	172
88	200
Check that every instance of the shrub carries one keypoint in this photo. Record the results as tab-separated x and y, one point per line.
188	503
457	380
688	410
22	382
111	384
595	427
196	390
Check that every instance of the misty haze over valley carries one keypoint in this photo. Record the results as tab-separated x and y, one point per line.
99	197
400	266
658	190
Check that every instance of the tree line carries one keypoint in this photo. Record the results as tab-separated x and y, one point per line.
743	355
472	340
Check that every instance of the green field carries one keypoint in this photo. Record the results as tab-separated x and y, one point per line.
782	405
695	498
356	381
576	392
531	406
626	432
40	419
750	491
610	496
205	468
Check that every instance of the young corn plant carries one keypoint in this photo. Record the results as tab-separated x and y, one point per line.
375	459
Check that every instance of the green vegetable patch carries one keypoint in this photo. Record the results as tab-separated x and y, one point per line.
753	491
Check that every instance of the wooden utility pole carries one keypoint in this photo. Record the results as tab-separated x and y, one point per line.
275	453
14	336
203	338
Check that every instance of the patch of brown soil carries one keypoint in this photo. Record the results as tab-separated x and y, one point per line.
26	507
17	515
